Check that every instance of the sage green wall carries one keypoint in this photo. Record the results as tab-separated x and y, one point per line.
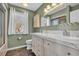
14	42
13	39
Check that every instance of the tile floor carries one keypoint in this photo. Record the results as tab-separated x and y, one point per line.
20	52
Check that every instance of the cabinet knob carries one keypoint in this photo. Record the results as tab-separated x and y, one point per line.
68	53
48	44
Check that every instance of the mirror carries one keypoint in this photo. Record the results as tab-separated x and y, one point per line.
57	21
46	21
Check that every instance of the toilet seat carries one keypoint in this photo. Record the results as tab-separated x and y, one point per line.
29	41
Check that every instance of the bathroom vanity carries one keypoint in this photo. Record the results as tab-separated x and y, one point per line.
45	44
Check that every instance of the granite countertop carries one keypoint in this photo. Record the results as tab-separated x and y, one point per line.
65	40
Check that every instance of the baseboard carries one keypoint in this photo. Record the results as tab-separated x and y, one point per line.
16	47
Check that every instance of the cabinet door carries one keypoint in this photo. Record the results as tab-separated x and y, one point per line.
37	45
37	20
49	48
34	45
61	50
40	47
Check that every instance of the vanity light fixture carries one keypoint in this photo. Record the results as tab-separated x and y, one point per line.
25	4
49	6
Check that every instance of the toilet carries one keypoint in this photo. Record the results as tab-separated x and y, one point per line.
29	44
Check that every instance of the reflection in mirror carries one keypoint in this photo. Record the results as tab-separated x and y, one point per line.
2	41
59	20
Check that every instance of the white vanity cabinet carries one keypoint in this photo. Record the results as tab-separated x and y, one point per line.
43	46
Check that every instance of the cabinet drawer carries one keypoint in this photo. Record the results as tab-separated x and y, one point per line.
72	52
63	50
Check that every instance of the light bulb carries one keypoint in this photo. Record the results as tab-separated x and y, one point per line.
45	10
54	4
48	6
25	4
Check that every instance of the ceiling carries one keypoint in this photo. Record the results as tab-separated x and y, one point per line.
35	6
31	6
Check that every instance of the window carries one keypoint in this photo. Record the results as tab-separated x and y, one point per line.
18	22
